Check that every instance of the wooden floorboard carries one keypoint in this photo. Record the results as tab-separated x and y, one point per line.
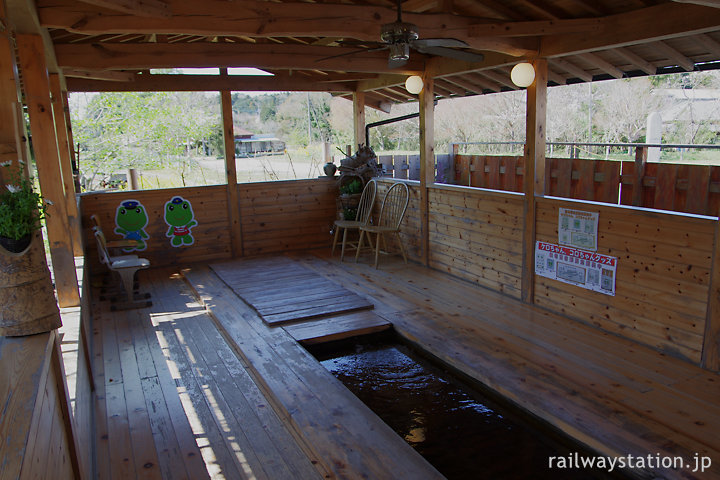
211	391
175	402
614	395
284	291
337	429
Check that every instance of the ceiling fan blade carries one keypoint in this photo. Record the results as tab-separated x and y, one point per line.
354	52
451	53
439	42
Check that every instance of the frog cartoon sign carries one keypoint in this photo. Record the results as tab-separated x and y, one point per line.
130	222
180	217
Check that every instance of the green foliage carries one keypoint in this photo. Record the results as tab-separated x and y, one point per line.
21	209
351	188
349	213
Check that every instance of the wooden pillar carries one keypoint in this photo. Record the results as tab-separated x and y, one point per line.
711	341
359	118
37	94
427	161
534	178
64	147
233	201
73	159
12	136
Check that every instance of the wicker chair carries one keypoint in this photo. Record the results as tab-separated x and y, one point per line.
364	211
392	212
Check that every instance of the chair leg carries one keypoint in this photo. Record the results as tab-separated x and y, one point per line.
402	249
377	248
335	239
359	245
127	275
344	241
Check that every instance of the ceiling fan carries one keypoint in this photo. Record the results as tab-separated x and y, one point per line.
399	37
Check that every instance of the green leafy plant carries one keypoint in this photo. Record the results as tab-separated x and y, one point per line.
351	188
349	213
21	209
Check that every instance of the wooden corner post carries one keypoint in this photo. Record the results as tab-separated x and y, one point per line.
233	201
711	342
358	118
64	147
534	178
37	92
427	161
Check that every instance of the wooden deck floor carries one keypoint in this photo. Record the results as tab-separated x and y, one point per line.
182	394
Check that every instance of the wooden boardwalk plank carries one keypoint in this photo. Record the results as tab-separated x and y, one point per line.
283	292
351	442
337	327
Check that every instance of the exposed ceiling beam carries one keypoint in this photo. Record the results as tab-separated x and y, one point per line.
536	28
572	69
711	45
198	55
636	60
440	67
140	8
499	78
106	75
667	20
467	86
206	83
603	65
706	3
383	81
254	18
23	18
673	55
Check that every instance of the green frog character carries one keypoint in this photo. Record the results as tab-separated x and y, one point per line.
130	221
180	217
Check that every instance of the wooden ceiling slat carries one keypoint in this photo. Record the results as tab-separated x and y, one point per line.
484	82
451	87
712	46
498	78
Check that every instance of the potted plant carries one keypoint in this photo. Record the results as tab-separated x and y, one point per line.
21	210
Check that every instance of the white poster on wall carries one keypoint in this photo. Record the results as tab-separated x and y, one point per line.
578	229
589	270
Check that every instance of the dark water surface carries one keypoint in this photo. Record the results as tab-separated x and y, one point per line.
460	431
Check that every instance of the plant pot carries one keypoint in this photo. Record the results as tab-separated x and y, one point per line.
350	201
16	245
27	297
330	168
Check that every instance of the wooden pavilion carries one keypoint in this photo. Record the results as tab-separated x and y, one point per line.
199	386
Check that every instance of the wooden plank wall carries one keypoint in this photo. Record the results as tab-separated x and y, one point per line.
84	396
38	442
477	235
288	215
410	230
662	278
275	217
212	238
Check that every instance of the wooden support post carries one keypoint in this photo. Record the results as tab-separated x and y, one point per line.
711	342
641	154
64	147
231	175
534	179
427	162
37	93
359	118
12	136
73	158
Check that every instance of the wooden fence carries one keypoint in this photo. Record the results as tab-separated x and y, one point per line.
676	187
407	167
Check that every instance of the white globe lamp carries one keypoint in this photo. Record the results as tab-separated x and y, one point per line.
414	84
523	74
